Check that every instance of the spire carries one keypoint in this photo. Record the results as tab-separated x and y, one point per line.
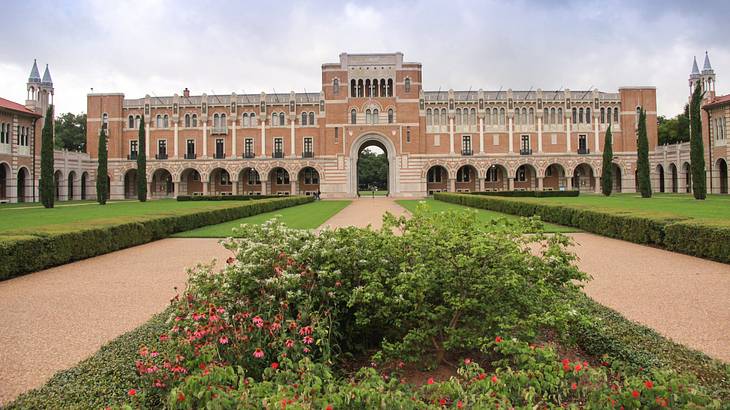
34	77
47	77
695	69
707	66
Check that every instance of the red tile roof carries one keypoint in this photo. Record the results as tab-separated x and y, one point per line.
13	106
717	101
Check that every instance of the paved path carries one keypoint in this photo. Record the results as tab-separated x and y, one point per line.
55	318
365	211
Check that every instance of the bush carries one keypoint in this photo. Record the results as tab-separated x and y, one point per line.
30	253
530	194
225	197
705	239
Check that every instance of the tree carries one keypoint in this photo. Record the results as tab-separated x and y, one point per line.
142	164
697	149
102	174
607	171
71	132
47	184
372	170
674	130
642	163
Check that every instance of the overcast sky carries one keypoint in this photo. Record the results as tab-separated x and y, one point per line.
160	47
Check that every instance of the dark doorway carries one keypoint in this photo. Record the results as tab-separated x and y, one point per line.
372	168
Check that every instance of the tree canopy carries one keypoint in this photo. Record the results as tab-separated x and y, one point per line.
71	132
674	130
372	170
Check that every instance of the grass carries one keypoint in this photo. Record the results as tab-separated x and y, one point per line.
483	215
366	194
17	205
308	216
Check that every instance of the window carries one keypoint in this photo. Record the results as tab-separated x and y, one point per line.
190	147
368	116
492	174
408	85
164	121
336	86
353	117
162	147
408	134
360	88
195	120
462	175
560	115
524	116
458	116
582	144
575	115
274	119
588	115
282	120
390	87
376	114
219	148
137	121
525	143
278	146
545	115
253	120
158	123
443	117
522	173
282	177
466	145
311	118
3	135
133	149
434	174
501	116
390	116
531	116
253	177
353	88
105	123
615	115
308	145
248	147
337	134
311	176
429	117
225	178
304	118
603	115
131	122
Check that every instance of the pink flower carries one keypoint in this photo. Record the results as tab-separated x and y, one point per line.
154	354
220	310
289	343
275	326
230	260
430	380
258	321
305	350
132	392
306	330
467	361
275	365
574	386
308	340
223	340
258	353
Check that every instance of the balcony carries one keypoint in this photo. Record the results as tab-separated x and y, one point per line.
161	155
467	151
132	156
190	155
277	154
308	154
219	130
249	154
219	155
526	151
583	151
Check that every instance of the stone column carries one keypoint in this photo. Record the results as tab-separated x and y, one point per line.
510	184
234	187
263	139
509	137
205	139
567	134
481	184
233	147
451	135
294	187
539	134
293	153
147	140
597	185
539	183
175	188
481	136
452	185
205	186
174	152
263	187
597	138
569	180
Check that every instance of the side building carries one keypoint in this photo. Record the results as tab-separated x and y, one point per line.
299	143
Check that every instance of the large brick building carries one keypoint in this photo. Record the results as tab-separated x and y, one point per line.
435	140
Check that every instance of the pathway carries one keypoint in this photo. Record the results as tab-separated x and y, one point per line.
365	211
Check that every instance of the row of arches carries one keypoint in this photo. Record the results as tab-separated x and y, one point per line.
20	186
372	88
679	179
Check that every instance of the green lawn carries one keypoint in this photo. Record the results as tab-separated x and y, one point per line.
70	218
366	194
483	215
39	205
307	216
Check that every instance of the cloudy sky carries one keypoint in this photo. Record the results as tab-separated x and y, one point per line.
159	47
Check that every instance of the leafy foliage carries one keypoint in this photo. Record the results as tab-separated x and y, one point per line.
47	184
674	130
642	163
697	150
607	166
102	172
142	163
71	132
372	170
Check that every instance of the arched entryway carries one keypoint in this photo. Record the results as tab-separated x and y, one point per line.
249	182
57	179
673	178
687	174
84	181
4	181
162	185
220	182
378	142
722	171
496	178
554	179
466	179
130	184
525	178
71	180
308	179
279	181
190	183
372	167
437	179
616	177
21	184
660	176
583	178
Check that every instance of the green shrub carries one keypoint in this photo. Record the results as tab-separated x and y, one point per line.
705	239
30	253
530	194
225	197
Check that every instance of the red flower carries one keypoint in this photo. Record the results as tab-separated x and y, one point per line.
181	396
258	353
467	361
430	380
577	368
459	405
258	321
649	384
308	340
306	330
497	339
442	401
635	394
223	340
482	376
132	392
289	343
164	337
275	365
329	407
494	379
574	386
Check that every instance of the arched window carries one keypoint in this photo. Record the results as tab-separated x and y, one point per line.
495	115
580	115
375	87
390	87
588	115
575	115
137	121
353	88
545	115
216	121
131	122
368	116
458	116
375	116
462	175
608	115
353	117
282	121
244	120
429	117
383	88
187	120
501	116
444	121
311	118
531	116
524	116
336	86
360	88
165	124
615	115
304	118
274	119
368	88
224	123
473	116
603	115
638	114
408	85
552	116
158	124
390	116
488	117
195	120
560	115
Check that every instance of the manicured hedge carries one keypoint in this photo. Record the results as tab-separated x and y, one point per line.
224	197
709	240
530	194
30	253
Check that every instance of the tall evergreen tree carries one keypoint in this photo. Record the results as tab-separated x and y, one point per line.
47	188
642	163
102	174
607	170
142	164
697	149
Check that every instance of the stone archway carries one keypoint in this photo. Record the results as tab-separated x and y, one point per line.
5	181
723	174
384	143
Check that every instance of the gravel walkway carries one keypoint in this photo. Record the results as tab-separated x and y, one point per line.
365	211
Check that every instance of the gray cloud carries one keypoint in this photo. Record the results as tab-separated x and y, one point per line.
160	47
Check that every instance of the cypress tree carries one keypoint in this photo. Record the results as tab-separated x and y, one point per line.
607	171
642	163
47	188
102	174
697	149
142	164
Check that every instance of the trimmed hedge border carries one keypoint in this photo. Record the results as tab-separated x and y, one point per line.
530	194
183	198
29	253
692	237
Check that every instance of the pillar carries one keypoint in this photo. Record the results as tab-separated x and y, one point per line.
539	134
597	138
481	184
263	139
452	184
481	138
233	147
451	135
570	182
147	139
205	140
175	188
597	185
174	152
205	185
294	187
509	137
264	184
510	184
567	134
234	188
539	183
293	153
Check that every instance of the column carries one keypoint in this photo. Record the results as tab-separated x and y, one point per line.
174	151
510	184
293	139
539	134
233	147
205	139
509	137
452	184
451	135
175	188
263	140
567	134
234	187
205	185
294	187
597	185
539	183
570	182
481	184
481	138
263	187
597	138
147	140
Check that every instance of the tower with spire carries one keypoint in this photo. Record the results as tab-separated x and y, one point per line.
706	77
40	90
